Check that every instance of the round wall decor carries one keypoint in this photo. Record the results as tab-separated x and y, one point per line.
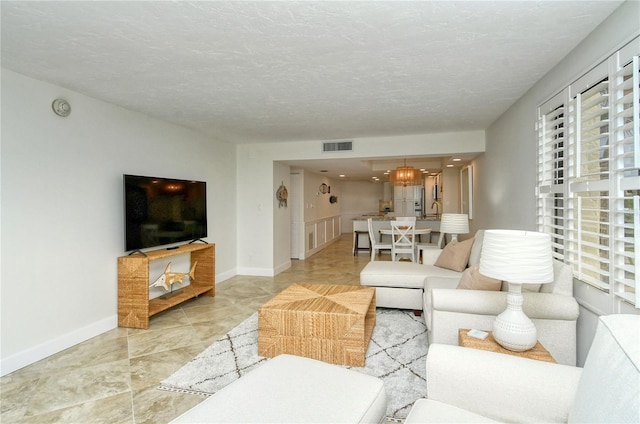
61	107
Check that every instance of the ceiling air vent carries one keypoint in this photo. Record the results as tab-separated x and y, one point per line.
337	146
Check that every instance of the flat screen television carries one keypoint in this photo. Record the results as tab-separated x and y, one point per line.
161	211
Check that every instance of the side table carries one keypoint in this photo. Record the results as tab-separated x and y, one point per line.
537	352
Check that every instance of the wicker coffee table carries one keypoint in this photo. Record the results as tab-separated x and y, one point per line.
332	323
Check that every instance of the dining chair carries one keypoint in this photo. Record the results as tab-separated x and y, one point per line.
399	218
403	240
375	244
420	247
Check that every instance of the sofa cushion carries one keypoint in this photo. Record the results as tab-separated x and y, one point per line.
393	274
474	257
562	280
455	255
473	280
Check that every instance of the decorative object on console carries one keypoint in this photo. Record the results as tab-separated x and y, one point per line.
454	224
168	278
517	257
405	176
281	195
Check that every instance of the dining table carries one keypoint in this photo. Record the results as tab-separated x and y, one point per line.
419	232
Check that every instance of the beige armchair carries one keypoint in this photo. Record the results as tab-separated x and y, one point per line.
553	310
469	385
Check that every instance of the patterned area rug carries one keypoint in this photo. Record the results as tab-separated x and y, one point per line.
396	354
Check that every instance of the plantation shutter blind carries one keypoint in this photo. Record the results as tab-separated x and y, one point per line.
625	134
588	232
551	172
589	175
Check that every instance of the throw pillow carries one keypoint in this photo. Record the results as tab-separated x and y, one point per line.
473	280
455	255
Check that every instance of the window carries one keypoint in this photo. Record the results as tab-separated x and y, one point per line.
551	171
589	176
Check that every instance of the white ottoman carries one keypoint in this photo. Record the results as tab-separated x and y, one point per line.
398	284
293	389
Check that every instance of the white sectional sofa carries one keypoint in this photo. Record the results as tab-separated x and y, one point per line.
432	289
471	385
402	284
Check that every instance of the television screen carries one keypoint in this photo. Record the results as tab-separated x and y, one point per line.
160	211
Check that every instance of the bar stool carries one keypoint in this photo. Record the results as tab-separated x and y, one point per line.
356	238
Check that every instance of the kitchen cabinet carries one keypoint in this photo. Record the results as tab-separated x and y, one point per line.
407	201
387	192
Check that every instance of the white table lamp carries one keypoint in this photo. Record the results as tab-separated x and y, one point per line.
454	224
517	257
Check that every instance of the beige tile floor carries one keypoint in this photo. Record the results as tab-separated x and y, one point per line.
112	378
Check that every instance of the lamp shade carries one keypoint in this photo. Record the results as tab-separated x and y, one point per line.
517	256
454	223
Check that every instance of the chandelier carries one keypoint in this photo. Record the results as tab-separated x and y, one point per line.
405	176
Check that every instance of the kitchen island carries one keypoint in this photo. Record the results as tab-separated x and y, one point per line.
360	228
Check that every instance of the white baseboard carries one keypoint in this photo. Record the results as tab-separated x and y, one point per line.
282	267
258	272
225	276
34	354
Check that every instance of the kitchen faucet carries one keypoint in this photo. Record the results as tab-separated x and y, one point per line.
437	205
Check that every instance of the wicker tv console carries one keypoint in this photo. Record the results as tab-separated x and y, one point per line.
134	306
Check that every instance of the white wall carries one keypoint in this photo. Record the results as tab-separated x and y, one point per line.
255	181
450	190
358	198
281	219
317	205
505	176
62	209
321	219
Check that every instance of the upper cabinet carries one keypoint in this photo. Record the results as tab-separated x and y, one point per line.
407	193
387	192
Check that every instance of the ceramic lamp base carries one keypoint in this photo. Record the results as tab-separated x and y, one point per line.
512	329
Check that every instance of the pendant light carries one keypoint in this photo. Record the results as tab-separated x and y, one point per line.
405	176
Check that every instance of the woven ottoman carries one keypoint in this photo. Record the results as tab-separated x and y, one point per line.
398	284
293	389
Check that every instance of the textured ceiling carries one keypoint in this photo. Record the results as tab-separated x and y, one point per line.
281	71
